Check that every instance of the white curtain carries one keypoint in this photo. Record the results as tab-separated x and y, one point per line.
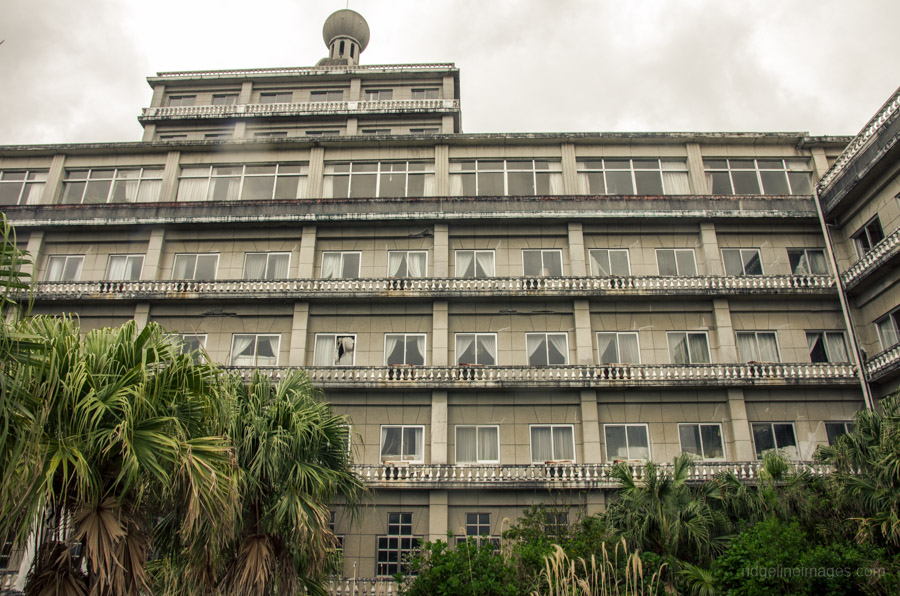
699	348
817	262
768	348
242	350
675	178
149	191
133	267
837	350
456	184
563	443
541	444
638	445
415	349
55	268
325	350
116	269
33	194
488	444
278	266
606	346
255	266
392	353
747	347
413	444
536	348
267	350
415	263
556	183
464	343
628	348
395	264
331	265
466	445
559	343
464	260
485	264
600	262
678	348
429	186
390	441
192	189
488	343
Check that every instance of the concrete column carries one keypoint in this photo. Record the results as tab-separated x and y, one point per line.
33	248
820	163
437	515
153	258
584	350
439	340
142	314
299	325
447	126
590	427
316	179
246	94
240	129
306	264
724	331
569	167
709	245
439	453
159	93
576	249
696	175
741	442
169	188
352	126
149	132
53	187
441	170
449	91
355	90
441	267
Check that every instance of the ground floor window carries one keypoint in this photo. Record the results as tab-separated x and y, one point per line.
395	547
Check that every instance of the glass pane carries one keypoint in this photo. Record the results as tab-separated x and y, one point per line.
638	443
600	262
616	448
255	266
531	262
541	444
745	183
686	264
837	350
521	183
350	269
816	347
666	262
763	439
690	439
412	443
490	184
678	350
556	350
390	441
619	183
466	451
711	435
72	268
733	263
552	264
287	187
563	445
223	189
97	191
721	183
648	183
628	348
799	262
595	183
699	348
487	347
800	184
466	349
834	430
206	266
362	185
752	264
392	185
817	265
607	347
415	350
774	183
784	435
258	188
618	262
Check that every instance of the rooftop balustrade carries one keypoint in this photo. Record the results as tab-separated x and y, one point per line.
299	109
885	250
437	287
571	376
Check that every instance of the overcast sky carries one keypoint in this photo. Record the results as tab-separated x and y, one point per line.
74	70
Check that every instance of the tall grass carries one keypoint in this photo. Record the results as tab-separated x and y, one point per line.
562	576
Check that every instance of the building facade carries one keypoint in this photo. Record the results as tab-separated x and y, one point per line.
502	316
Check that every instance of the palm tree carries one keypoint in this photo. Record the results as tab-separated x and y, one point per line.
119	427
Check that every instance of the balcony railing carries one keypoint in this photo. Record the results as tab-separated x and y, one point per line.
300	109
362	586
547	475
440	287
302	70
882	252
883	363
572	376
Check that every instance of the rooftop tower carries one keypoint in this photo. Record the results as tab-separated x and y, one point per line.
346	33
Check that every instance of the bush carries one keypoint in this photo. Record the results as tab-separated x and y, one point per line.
466	569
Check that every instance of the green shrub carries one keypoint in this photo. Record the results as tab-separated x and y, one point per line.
438	570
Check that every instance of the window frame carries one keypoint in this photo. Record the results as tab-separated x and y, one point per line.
335	336
227	96
407	253
554	167
256	337
828	357
399	544
382	169
274	95
628	448
702	456
473	530
553	428
864	239
637	341
756	335
375	94
709	171
327	93
544	252
687	335
584	186
804	255
425	92
65	259
474	251
403	457
741	252
302	178
675	252
269	255
196	256
778	448
477	427
202	339
546	335
456	353
892	318
343	253
848	427
181	100
405	336
608	252
128	257
31	180
152	175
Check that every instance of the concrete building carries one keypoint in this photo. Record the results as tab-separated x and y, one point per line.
502	315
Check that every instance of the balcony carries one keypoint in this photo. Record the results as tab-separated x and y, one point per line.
301	71
437	287
396	106
545	476
880	254
571	376
883	363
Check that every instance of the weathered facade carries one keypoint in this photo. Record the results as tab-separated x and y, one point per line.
502	316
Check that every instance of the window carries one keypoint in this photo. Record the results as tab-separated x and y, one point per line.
276	97
809	261
255	350
375	131
64	268
870	235
249	182
195	266
113	185
429	93
742	261
407	263
340	265
404	349
271	134
379	94
616	348
757	346
379	179
430	130
498	177
192	344
552	443
889	329
758	176
478	529
23	187
835	429
182	100
335	349
477	444
124	267
826	346
266	265
217	135
688	348
542	263
626	442
775	436
5	555
335	564
326	95
171	137
633	176
606	262
322	133
547	349
676	261
479	349
224	99
403	443
702	440
396	547
475	263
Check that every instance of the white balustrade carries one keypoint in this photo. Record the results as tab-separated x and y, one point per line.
304	70
886	249
312	107
883	362
361	586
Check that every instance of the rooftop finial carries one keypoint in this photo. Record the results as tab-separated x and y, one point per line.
346	33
